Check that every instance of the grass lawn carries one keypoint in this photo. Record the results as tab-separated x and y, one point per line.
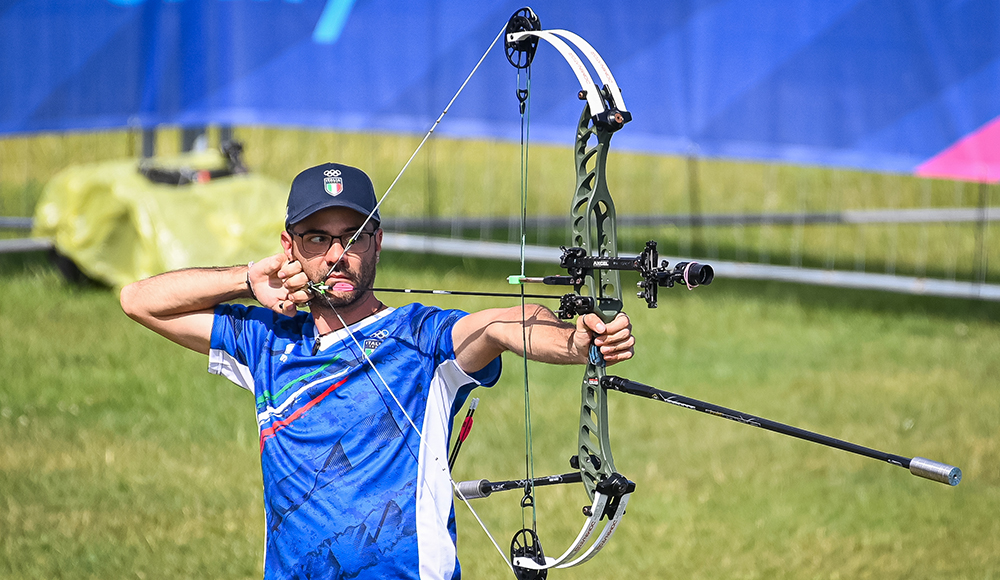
476	178
123	458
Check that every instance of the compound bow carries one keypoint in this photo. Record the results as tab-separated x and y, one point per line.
593	265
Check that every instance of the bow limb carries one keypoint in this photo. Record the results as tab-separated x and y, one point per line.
614	94
605	101
579	68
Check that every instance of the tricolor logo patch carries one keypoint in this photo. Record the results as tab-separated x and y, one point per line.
369	345
333	183
373	341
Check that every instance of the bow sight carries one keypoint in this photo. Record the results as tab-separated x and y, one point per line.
580	266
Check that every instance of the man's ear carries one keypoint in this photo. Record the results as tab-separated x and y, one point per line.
286	244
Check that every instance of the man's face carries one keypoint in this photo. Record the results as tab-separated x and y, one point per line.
317	242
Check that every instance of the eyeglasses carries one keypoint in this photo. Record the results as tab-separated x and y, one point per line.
318	243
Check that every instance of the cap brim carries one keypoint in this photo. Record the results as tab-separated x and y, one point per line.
292	220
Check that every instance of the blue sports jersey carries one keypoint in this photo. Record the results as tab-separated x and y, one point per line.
351	489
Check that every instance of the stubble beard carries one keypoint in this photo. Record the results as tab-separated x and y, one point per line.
362	279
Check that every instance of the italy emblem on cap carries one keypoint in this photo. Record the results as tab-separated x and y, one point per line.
333	183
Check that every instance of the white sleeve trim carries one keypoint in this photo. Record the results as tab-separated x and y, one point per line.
434	491
222	363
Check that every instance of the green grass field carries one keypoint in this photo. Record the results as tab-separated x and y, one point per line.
481	179
123	458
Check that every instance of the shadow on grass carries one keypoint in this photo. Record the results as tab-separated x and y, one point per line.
45	264
21	263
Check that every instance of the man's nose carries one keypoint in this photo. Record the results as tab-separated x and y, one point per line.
335	253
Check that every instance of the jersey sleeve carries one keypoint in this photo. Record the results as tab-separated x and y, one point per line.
433	329
237	333
442	322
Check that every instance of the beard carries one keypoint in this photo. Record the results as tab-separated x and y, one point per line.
362	278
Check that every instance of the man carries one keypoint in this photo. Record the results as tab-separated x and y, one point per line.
355	400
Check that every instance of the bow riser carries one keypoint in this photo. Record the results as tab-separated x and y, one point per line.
594	230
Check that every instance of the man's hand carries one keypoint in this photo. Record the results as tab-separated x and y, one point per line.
279	284
614	338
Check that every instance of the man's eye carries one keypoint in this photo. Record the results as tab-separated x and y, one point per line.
317	239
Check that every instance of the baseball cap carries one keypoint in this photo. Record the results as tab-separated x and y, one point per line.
330	185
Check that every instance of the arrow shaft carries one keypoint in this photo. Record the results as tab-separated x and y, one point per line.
467	293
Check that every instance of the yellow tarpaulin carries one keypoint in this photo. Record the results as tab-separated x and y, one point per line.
117	226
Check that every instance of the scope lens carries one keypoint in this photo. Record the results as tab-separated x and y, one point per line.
699	274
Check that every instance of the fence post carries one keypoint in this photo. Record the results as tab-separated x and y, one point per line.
694	209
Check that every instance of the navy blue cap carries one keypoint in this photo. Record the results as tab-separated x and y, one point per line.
330	185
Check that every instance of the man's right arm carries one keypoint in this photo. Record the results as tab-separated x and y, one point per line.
180	305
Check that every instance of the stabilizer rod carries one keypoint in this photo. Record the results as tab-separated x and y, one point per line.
918	466
478	488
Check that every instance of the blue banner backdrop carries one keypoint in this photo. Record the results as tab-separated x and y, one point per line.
878	84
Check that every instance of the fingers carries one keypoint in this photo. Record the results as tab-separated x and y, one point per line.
618	352
619	328
291	282
295	282
614	339
265	268
591	323
279	284
289	271
286	307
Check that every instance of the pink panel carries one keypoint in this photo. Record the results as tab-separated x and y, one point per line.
976	157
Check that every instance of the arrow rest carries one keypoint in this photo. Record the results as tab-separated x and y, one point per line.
525	544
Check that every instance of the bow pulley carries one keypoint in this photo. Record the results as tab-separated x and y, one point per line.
521	52
525	546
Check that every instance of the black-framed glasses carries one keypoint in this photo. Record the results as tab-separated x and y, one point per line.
315	243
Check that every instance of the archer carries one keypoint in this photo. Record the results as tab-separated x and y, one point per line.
354	399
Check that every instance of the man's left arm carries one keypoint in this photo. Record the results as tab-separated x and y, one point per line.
482	336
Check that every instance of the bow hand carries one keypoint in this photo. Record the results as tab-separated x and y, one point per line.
614	339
